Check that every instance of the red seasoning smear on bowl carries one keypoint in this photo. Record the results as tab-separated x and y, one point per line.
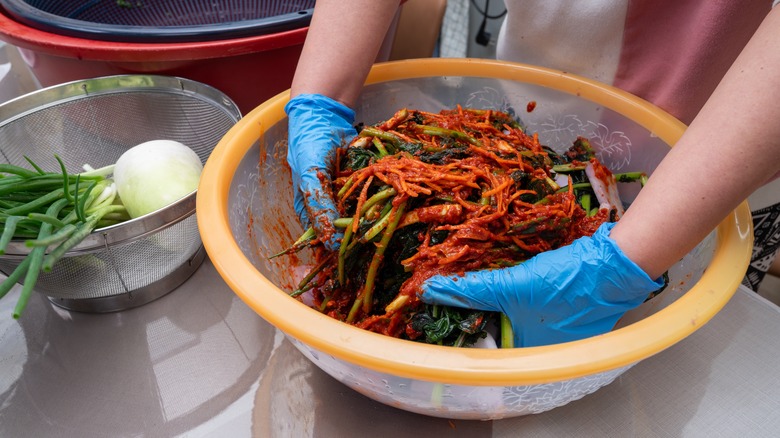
423	194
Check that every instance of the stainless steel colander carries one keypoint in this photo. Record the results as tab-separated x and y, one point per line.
92	122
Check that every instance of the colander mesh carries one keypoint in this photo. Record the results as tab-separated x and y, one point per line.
96	128
168	12
140	20
133	265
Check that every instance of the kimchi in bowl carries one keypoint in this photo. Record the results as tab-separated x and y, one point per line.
245	214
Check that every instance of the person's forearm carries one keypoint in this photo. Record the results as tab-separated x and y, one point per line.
729	150
342	43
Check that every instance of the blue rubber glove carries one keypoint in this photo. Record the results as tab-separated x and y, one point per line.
317	125
570	293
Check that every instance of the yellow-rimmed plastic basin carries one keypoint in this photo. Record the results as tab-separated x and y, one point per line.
245	213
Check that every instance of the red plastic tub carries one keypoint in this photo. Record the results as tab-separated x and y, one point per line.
249	70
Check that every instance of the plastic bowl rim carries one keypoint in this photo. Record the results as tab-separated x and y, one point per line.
522	366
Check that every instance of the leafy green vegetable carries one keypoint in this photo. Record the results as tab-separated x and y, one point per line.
359	158
453	326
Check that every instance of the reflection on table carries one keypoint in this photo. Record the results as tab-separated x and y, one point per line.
198	362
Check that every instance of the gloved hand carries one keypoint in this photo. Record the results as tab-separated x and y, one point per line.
317	125
570	293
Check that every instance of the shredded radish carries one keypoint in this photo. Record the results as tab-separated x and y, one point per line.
605	188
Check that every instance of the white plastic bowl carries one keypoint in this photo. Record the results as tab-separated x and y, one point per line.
245	213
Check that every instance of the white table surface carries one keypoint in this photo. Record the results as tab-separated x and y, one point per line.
199	363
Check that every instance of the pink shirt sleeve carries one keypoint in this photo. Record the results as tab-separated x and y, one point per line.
674	52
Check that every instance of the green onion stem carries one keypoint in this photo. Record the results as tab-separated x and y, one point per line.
308	236
102	172
8	203
485	200
45	218
619	177
576	186
82	231
507	332
343	252
65	180
345	188
9	229
37	203
376	198
568	167
437	394
31	276
14	277
368	287
443	132
31	185
585	202
16	170
57	237
119	216
302	286
324	304
629	176
302	241
79	202
107	196
460	340
531	226
370	131
36	259
380	147
93	194
34	166
356	305
342	222
380	225
552	184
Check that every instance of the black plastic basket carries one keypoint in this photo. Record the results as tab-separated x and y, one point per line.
161	20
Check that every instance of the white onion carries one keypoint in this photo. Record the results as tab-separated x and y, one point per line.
155	174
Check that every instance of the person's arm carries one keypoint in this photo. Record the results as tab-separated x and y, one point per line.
730	149
343	41
582	289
